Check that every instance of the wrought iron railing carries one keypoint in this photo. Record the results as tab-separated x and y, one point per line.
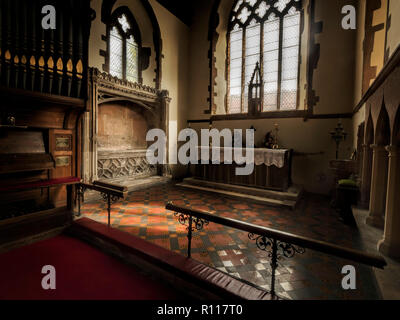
276	243
109	192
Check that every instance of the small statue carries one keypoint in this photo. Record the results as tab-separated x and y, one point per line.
11	121
269	141
276	146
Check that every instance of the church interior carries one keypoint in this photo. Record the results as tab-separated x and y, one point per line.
84	82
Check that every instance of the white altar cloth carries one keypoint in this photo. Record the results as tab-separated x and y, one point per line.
268	157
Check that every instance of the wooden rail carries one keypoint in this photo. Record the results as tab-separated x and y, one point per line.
110	193
308	243
275	243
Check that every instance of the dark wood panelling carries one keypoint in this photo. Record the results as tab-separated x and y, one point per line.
46	61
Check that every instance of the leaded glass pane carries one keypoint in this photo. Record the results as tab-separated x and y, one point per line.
238	4
281	4
252	57
290	61
271	63
251	2
116	52
236	42
124	23
244	15
132	60
262	9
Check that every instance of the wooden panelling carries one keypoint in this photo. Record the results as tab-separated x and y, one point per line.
65	163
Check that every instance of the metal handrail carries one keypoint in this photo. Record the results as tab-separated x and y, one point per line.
276	243
305	242
110	193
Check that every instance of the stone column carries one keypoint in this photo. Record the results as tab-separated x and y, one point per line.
377	205
390	244
365	178
165	100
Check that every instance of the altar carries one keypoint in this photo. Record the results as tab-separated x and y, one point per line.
272	168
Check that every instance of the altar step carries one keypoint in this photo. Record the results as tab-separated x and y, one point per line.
133	184
288	199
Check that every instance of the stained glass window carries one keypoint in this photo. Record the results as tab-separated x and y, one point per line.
124	51
265	32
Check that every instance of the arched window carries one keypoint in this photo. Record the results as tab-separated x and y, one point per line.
124	46
265	32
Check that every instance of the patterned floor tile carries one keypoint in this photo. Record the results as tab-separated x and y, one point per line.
309	276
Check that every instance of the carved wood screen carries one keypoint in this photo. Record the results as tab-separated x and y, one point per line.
266	32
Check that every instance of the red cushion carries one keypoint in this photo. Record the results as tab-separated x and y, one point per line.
181	266
41	184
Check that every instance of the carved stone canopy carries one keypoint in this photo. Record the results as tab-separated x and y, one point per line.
129	162
110	88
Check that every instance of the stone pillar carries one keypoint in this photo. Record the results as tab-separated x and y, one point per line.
365	177
390	244
377	205
165	100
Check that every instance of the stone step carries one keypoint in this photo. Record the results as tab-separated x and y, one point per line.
293	194
133	184
236	195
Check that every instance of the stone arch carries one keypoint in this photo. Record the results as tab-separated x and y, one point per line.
132	21
106	17
360	149
369	131
382	132
218	37
396	129
380	170
367	163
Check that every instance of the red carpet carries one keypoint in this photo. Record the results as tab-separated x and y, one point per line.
82	273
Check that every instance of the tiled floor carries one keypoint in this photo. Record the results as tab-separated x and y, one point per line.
309	276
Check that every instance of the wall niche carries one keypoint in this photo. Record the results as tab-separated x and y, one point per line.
122	141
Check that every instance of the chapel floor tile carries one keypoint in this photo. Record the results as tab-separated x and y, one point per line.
309	276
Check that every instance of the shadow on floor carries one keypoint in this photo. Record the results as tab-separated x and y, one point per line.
309	276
